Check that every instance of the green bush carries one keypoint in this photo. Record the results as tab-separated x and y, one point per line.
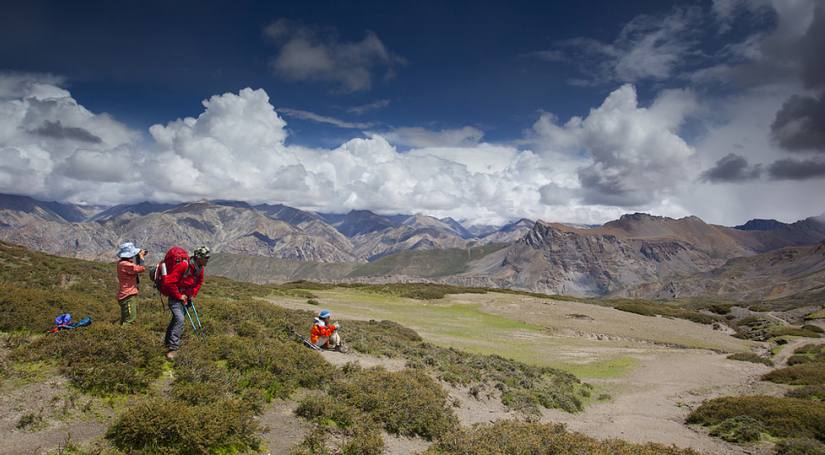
324	410
407	402
802	374
801	446
419	291
162	426
807	354
102	358
364	442
813	328
515	437
750	357
275	366
780	416
314	443
719	308
646	308
30	421
779	331
739	429
523	387
808	392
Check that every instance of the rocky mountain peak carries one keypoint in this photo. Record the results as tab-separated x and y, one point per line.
358	222
758	224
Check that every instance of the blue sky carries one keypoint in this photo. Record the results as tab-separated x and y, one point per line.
459	109
467	63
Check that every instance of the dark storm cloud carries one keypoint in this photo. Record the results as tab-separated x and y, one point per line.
601	189
812	49
732	168
790	169
56	130
800	123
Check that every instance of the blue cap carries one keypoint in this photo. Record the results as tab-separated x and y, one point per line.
324	314
127	250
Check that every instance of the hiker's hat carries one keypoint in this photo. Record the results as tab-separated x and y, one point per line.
324	314
127	250
202	252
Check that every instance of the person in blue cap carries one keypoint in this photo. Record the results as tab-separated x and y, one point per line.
324	334
129	265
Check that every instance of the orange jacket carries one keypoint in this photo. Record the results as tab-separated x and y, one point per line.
319	330
127	277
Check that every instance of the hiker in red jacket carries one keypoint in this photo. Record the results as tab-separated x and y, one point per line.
182	284
129	265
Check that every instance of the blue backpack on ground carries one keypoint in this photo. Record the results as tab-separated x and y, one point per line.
64	321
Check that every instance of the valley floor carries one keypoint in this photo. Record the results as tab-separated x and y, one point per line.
654	370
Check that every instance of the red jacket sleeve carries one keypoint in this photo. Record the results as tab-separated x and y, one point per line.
170	281
198	282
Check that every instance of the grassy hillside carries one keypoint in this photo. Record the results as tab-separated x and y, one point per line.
262	269
422	264
426	264
208	400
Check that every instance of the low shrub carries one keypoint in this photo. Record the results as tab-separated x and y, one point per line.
813	328
760	308
272	365
739	429
163	426
800	446
314	443
801	374
419	291
326	410
779	331
808	392
102	358
719	308
523	387
780	416
515	437
364	442
750	357
407	402
30	421
646	308
755	328
807	354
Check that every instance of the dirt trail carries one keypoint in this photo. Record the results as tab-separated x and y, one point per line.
787	351
653	401
43	399
283	428
365	361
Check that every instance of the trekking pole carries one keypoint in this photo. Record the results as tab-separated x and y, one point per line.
197	318
191	321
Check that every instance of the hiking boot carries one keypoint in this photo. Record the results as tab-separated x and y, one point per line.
171	355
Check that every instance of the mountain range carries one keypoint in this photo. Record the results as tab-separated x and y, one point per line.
638	255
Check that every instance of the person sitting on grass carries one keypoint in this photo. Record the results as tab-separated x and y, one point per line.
129	266
324	334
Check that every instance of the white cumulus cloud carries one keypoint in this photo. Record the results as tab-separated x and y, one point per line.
236	149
